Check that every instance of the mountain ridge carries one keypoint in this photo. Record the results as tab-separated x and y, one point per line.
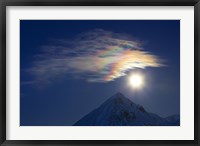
119	110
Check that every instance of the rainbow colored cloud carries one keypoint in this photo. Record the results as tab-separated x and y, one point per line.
96	56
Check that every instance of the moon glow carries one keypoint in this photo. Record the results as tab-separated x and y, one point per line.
136	81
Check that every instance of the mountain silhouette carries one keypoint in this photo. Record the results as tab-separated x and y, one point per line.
121	111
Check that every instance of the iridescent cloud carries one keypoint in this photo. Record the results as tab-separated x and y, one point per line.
96	56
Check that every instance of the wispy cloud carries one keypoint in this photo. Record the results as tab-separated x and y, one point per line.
96	56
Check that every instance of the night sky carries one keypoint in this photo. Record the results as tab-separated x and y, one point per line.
62	79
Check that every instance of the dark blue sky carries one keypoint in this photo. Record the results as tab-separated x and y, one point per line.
65	100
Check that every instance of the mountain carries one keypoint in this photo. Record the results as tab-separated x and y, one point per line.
121	111
174	120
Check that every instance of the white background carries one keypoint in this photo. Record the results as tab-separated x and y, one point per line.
183	132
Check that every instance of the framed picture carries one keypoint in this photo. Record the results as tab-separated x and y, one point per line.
99	72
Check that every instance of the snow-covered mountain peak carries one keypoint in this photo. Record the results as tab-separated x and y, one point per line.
119	98
119	110
118	95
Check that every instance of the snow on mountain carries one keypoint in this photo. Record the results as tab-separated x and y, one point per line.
121	111
174	120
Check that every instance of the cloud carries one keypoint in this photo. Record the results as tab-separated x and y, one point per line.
96	56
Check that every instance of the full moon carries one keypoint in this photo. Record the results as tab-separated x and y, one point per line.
136	80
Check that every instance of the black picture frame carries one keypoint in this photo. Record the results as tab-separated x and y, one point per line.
5	3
